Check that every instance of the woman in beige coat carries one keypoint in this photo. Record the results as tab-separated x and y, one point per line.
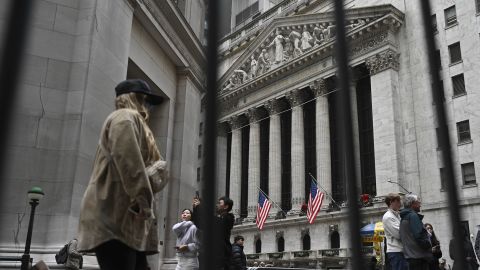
117	219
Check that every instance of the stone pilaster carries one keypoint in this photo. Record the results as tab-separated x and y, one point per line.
222	129
386	120
296	98
253	115
322	137
236	163
274	107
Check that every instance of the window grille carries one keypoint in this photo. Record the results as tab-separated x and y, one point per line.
468	173
450	16
463	130
455	53
246	13
458	85
434	23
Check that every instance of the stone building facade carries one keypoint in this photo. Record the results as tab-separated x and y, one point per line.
78	50
277	97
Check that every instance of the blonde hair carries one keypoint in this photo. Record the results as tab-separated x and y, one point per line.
135	101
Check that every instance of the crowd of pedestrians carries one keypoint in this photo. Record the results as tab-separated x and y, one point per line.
413	245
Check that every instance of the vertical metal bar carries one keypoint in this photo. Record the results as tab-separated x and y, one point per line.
345	131
12	55
211	239
444	139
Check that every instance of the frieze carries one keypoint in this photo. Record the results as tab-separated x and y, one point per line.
383	61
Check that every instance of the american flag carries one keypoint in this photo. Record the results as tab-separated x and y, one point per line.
263	208
314	202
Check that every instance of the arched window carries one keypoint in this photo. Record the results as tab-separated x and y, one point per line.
334	240
258	246
281	244
306	242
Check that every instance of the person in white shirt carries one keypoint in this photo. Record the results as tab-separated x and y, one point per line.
391	225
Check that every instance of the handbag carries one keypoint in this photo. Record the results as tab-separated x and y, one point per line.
62	255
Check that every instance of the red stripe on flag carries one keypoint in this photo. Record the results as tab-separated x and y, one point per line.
314	207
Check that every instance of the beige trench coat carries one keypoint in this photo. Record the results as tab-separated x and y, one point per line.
118	187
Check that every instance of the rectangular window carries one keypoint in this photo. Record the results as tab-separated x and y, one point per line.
434	23
458	83
200	129
477	4
443	186
199	175
450	16
200	151
468	173
463	131
455	53
246	13
437	133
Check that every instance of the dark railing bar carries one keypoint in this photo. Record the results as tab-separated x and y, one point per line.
444	140
14	42
343	110
211	238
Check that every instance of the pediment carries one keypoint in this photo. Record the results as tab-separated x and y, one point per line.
290	38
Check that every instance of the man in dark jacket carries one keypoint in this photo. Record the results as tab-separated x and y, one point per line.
224	221
414	236
239	260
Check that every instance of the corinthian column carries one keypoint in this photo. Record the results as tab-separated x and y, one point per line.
295	98
274	107
322	137
254	115
236	164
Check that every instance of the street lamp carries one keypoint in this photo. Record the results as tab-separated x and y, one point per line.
35	195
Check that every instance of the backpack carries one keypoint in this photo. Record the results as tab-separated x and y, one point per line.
62	255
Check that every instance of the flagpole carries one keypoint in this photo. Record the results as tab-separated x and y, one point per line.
326	192
271	200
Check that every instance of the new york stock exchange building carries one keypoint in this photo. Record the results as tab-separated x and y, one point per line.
277	119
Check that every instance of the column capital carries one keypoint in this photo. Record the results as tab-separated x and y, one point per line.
319	87
383	61
254	114
236	121
274	106
296	97
222	128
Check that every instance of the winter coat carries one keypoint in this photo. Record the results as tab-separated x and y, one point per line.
74	258
416	243
186	233
239	260
470	264
119	187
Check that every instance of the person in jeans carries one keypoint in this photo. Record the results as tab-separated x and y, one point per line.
391	225
417	247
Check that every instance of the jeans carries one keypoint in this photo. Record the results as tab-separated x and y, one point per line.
115	255
397	261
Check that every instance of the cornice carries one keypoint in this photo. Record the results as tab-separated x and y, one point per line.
166	16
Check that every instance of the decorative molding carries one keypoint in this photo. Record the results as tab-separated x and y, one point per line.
319	87
383	61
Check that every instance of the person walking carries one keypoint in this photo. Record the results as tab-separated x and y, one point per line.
117	219
436	250
391	225
414	236
239	260
470	259
74	258
187	242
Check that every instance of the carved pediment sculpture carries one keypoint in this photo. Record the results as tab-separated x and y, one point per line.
289	38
